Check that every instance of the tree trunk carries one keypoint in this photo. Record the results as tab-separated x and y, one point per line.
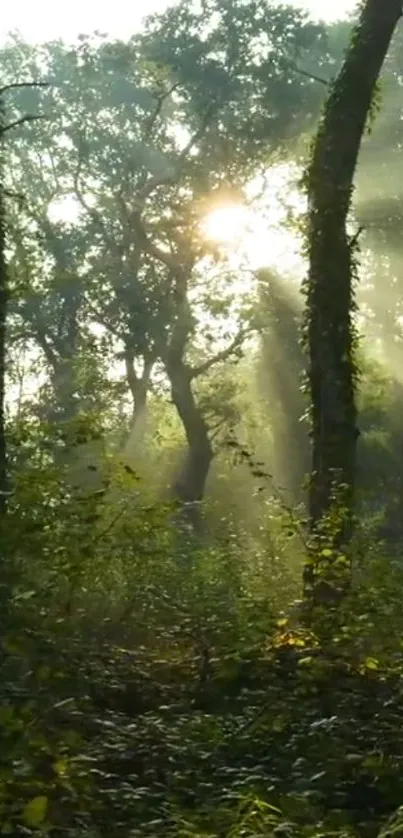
3	315
139	387
330	300
190	485
7	566
3	309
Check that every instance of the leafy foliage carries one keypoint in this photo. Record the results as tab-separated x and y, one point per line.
159	678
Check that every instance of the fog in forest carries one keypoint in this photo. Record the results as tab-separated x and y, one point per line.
177	290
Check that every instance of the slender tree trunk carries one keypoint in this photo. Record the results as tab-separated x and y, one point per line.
190	485
3	316
63	378
330	300
3	310
139	387
6	563
79	449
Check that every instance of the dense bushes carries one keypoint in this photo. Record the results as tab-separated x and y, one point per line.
166	695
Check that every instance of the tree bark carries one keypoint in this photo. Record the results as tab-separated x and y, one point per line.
190	485
3	318
330	300
139	386
3	315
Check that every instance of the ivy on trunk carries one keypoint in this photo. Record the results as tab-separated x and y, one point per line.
330	333
3	312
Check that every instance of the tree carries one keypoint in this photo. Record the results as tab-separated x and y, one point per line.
7	568
5	126
3	316
147	139
330	299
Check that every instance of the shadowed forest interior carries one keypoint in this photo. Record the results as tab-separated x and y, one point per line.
201	444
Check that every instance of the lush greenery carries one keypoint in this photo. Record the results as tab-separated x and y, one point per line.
159	675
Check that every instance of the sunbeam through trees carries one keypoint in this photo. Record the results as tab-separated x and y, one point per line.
201	456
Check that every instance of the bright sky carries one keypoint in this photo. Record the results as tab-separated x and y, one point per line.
46	19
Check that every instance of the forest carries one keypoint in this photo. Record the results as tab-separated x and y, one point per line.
201	449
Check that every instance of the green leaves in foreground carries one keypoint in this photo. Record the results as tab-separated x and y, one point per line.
35	811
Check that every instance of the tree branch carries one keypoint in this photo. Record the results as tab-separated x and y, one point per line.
99	318
355	237
170	178
19	84
46	346
91	211
312	76
155	114
152	184
199	133
16	196
220	356
149	246
131	375
21	121
215	429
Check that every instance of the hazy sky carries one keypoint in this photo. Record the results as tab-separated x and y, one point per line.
43	19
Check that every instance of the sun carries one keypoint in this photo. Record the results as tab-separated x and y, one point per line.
227	225
251	239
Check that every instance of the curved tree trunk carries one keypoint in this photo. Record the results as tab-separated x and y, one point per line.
190	485
330	300
139	387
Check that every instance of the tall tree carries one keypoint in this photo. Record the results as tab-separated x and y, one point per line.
330	299
147	135
6	125
3	316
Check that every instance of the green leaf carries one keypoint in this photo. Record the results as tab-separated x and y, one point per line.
23	596
34	812
371	663
60	767
278	724
306	661
7	715
43	672
282	622
11	646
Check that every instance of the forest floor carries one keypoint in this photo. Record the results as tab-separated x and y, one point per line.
107	741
